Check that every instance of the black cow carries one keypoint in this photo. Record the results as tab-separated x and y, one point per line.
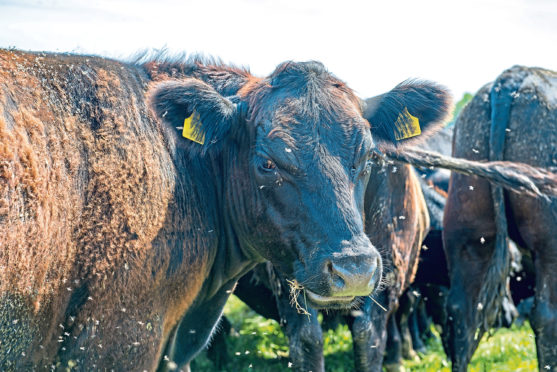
124	230
513	118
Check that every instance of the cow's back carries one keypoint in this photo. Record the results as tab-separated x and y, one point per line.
85	181
530	135
532	123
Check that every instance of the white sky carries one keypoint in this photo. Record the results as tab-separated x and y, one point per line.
372	45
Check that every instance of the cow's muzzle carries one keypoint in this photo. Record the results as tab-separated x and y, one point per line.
343	277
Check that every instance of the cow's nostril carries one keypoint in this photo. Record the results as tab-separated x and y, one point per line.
338	277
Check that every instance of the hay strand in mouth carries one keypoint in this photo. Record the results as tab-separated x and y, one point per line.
378	304
295	289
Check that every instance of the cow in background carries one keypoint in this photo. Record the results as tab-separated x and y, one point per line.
422	298
513	119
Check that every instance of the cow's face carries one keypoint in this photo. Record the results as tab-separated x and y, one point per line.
309	163
295	151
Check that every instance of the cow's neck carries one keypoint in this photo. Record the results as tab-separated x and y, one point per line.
233	257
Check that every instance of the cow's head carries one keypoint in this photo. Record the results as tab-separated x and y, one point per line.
294	153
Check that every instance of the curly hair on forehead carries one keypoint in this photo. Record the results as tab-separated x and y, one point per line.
308	89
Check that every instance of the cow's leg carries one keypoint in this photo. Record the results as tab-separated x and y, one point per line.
304	334
536	224
414	328
402	317
423	321
463	331
303	331
194	331
544	313
543	316
217	351
393	351
435	297
369	334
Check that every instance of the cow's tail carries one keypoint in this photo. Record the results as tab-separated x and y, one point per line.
517	177
493	291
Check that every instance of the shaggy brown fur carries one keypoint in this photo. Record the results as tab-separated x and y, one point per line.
75	129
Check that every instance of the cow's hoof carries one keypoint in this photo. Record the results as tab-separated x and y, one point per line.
395	367
421	350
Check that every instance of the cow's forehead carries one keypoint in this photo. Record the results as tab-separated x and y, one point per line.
299	74
343	134
305	94
311	81
304	106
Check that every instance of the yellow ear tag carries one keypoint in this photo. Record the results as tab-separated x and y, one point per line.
407	126
188	131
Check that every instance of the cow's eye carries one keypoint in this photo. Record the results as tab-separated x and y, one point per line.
266	165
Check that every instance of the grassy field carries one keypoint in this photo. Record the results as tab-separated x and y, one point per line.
258	344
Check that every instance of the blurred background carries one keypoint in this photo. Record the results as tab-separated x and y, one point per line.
372	45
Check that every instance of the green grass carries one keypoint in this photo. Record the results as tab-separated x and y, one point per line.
258	344
507	350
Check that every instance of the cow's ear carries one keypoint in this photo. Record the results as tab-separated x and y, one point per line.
192	107
409	113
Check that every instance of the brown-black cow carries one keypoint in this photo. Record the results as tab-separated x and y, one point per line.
125	220
515	119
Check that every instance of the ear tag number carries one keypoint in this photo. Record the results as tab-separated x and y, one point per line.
407	126
188	132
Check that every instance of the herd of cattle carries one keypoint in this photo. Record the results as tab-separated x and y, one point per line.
136	197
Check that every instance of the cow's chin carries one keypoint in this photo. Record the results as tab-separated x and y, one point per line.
334	303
